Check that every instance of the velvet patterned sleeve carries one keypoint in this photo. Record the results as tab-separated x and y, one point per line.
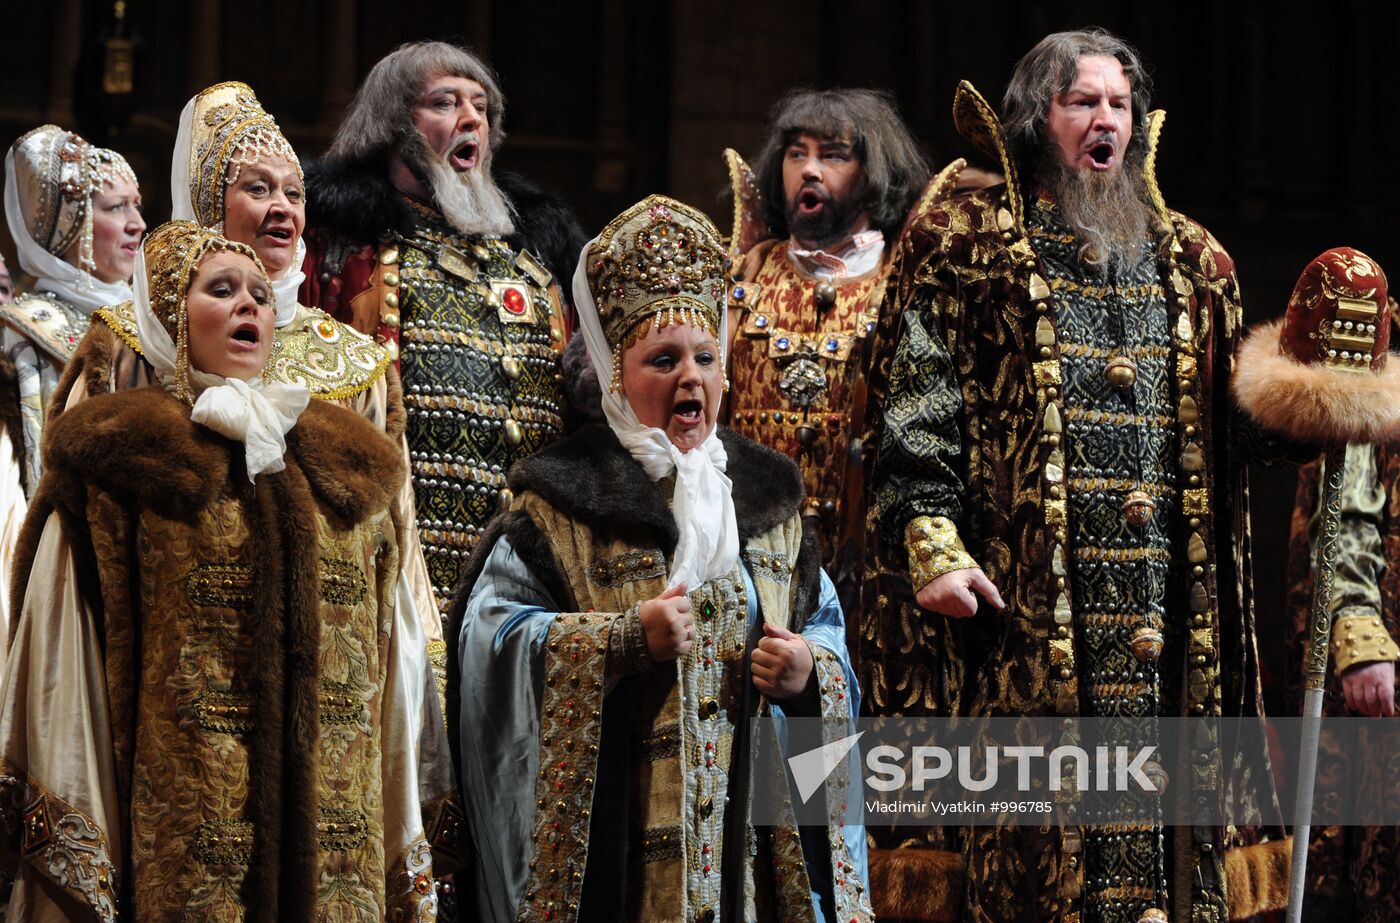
918	476
533	681
1357	633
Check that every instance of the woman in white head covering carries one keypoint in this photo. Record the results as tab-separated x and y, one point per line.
74	212
233	170
649	589
214	701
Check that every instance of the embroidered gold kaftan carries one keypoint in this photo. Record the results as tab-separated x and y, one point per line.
216	692
598	787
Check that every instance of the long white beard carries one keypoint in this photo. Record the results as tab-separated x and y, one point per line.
469	200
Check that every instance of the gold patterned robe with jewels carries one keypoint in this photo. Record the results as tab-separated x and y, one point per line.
214	701
796	364
598	784
332	360
995	449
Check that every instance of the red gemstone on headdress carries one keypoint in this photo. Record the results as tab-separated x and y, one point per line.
514	301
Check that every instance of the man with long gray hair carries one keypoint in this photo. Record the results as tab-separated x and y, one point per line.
816	219
415	238
1057	500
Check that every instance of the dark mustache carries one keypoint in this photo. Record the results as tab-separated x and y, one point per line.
816	189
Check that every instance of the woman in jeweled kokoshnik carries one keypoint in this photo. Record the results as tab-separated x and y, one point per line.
233	170
74	214
611	618
213	702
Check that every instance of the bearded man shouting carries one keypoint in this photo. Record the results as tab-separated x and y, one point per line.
816	221
413	238
1058	500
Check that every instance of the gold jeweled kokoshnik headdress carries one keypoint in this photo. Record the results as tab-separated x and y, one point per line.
172	254
229	129
58	174
658	263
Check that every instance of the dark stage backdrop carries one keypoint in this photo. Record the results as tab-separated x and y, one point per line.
1281	137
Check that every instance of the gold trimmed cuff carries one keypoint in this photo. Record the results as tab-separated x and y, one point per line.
1360	638
934	549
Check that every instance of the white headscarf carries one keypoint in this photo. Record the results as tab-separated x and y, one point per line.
703	504
56	275
285	289
258	414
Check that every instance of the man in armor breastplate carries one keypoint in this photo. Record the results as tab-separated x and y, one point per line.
414	240
833	185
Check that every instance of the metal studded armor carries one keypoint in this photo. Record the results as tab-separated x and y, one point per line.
480	334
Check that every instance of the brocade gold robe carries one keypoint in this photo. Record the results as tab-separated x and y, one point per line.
217	687
600	786
983	444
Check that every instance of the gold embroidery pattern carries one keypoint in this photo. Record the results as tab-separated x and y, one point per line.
342	582
571	710
1102	352
1078	414
227	586
412	895
224	712
437	662
768	566
339	705
341	829
122	319
1104	292
935	549
1119	555
332	360
627	568
707	729
67	847
1121	484
224	842
660	843
852	903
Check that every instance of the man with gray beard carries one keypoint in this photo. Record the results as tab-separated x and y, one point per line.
1057	499
414	239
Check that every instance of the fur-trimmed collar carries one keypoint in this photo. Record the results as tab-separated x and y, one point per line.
143	443
354	204
590	476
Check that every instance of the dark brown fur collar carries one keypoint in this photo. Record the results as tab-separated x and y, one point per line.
143	443
590	476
